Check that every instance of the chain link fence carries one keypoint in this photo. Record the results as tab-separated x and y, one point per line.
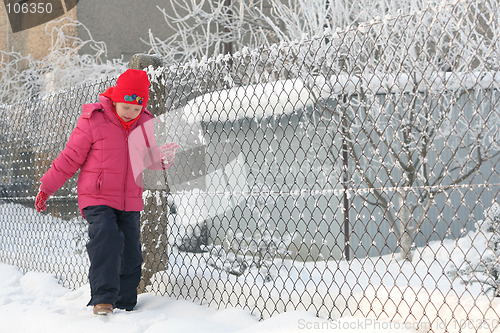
352	174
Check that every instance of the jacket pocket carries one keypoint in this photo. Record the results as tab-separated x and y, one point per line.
99	182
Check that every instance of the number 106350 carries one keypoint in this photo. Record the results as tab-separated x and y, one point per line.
31	8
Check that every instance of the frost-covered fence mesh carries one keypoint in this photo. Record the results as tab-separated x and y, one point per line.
355	173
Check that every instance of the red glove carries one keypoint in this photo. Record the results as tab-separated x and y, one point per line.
167	154
41	201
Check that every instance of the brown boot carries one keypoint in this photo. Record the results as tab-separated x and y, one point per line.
103	309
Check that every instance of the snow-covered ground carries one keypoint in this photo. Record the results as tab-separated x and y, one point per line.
35	302
381	294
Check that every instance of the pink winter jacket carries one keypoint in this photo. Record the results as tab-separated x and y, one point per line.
99	147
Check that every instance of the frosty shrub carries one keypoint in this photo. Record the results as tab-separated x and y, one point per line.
70	61
486	270
258	251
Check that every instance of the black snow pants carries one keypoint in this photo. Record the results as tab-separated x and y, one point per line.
115	255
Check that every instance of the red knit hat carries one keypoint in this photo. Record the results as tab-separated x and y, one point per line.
132	87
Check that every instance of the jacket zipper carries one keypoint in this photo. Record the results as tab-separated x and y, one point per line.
124	193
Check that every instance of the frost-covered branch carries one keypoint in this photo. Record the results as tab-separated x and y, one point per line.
201	29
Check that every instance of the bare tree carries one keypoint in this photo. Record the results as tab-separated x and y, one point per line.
408	128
